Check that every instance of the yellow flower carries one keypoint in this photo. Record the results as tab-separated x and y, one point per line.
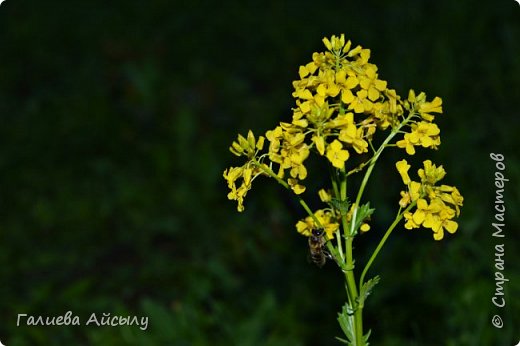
326	220
247	146
310	68
413	194
354	136
335	44
411	96
371	84
425	134
407	144
415	190
299	171
232	175
394	102
303	123
274	137
304	94
439	219
319	141
356	51
382	115
424	108
341	121
324	196
403	167
336	155
420	213
288	149
430	107
360	103
405	199
305	226
457	199
297	188
248	175
410	224
431	173
328	87
319	114
346	84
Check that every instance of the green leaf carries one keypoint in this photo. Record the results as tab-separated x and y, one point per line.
366	289
346	322
363	213
343	341
366	336
341	206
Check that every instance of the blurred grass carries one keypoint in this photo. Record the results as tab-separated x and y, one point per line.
116	119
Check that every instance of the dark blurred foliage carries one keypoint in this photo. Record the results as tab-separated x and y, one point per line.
116	119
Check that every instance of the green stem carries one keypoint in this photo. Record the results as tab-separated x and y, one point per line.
348	269
366	177
349	234
349	237
333	178
372	164
358	319
343	198
397	219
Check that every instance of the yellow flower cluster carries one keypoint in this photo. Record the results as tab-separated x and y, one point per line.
436	206
423	133
248	172
340	105
288	149
341	101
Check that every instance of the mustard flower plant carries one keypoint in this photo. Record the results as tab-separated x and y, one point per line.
345	113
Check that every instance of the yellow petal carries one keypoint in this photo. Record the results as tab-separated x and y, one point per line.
303	72
319	141
451	226
347	96
324	196
327	43
403	167
260	142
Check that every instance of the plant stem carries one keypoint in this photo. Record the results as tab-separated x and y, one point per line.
348	269
398	218
349	237
350	233
372	164
361	189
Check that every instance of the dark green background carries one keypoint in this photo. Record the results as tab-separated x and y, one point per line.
116	117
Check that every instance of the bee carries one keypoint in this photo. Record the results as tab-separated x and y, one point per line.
317	252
